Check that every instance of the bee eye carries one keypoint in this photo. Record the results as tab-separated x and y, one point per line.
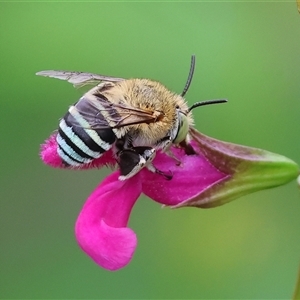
183	128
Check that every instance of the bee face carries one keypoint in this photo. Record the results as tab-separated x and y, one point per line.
135	117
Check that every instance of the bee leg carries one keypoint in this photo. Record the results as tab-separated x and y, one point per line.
149	154
167	176
171	154
132	160
188	149
166	149
153	169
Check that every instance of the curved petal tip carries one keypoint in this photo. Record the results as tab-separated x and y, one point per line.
101	227
111	248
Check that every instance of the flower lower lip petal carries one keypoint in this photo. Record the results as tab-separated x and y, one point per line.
101	228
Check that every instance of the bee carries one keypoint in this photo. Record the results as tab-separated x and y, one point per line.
135	117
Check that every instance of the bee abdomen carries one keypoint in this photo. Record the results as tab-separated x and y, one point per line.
79	144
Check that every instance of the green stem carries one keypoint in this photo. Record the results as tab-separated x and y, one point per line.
296	295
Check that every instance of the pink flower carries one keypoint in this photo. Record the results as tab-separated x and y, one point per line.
219	173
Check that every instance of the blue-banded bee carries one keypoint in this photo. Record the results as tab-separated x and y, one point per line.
135	117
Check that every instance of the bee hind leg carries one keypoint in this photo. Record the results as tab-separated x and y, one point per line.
132	160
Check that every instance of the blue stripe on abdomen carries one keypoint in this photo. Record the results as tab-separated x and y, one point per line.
71	152
75	142
79	145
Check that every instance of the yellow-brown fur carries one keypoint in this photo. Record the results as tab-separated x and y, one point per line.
151	96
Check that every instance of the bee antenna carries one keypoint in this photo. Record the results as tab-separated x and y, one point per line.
207	102
190	77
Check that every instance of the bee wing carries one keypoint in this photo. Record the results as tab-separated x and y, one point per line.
78	79
131	115
99	113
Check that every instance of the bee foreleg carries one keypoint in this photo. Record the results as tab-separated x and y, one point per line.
153	169
172	155
166	148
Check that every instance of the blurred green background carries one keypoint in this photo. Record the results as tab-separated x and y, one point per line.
247	52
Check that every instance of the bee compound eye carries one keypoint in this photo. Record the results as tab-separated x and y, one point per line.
183	128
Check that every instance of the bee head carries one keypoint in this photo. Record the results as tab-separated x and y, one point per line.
183	122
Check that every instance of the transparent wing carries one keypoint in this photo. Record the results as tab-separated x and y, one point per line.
100	113
78	79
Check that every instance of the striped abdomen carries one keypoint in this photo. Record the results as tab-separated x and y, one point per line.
79	144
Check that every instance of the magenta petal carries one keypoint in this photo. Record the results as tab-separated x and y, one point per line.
193	176
101	226
50	157
49	153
